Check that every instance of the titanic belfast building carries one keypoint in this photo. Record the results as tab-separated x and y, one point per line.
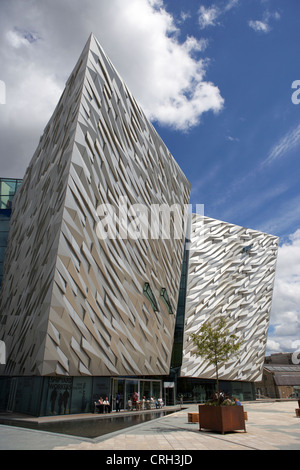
107	272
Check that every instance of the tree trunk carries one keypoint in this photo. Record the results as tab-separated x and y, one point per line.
217	377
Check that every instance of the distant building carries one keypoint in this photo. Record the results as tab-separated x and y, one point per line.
230	274
281	378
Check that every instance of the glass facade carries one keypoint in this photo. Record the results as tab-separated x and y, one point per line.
53	396
127	386
8	188
176	360
192	390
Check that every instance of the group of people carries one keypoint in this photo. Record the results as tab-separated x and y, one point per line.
145	403
224	399
103	406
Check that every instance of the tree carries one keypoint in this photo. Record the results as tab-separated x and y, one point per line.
215	344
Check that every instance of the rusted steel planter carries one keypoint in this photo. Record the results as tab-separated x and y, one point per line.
221	418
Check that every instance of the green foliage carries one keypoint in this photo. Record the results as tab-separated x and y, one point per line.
221	403
215	343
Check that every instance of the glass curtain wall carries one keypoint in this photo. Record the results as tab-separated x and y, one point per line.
8	188
176	360
145	389
127	387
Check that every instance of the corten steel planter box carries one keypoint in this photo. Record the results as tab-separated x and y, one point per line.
221	418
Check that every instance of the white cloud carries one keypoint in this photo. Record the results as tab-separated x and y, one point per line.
166	78
184	16
40	44
287	143
273	346
259	26
192	44
296	345
285	314
264	26
231	4
17	38
208	16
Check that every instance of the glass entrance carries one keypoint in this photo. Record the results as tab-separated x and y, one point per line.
127	387
131	387
156	389
169	398
145	389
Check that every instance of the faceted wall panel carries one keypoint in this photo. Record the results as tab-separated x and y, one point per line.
74	302
230	275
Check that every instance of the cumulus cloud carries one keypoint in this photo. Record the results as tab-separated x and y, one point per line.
40	43
285	314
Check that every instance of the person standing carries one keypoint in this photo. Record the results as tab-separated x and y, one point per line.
118	402
134	400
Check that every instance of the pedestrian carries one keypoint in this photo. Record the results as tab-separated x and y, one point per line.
134	400
118	402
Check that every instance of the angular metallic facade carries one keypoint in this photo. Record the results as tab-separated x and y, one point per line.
74	303
231	274
80	301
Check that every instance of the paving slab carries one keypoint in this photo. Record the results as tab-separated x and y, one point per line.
270	426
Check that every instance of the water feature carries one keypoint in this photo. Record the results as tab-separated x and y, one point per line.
90	427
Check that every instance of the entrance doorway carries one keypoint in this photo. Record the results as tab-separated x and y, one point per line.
126	388
169	393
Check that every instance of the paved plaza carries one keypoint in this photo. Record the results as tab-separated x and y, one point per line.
271	426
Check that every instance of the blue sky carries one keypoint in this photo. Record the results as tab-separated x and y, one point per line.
244	162
216	80
230	157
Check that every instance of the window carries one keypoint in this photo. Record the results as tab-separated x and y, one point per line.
150	296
